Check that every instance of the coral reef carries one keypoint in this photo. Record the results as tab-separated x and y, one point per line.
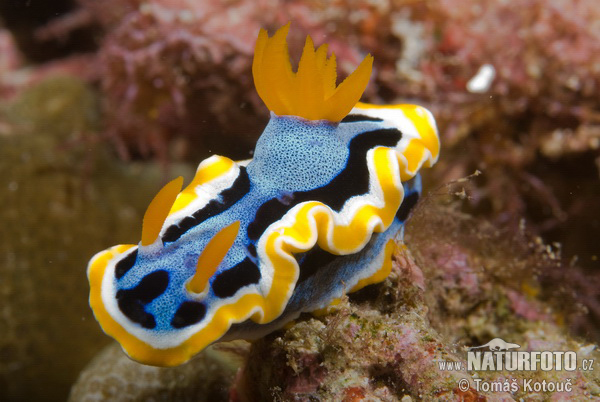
10	61
113	376
63	197
534	132
452	288
24	19
385	343
172	82
181	71
458	282
175	83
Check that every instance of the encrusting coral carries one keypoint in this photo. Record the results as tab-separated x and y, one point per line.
56	182
386	342
113	376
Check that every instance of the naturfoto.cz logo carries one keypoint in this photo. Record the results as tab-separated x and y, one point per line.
502	356
499	355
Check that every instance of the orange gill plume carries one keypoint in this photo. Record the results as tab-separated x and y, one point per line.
158	210
310	93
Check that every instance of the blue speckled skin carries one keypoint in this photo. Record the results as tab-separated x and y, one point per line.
329	281
292	155
295	154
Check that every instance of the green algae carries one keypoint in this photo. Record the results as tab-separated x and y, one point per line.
64	197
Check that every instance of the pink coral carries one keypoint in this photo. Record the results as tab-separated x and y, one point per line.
526	308
176	83
180	70
10	61
168	70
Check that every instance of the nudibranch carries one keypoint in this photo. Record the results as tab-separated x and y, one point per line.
248	246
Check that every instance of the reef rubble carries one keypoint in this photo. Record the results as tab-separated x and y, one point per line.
457	283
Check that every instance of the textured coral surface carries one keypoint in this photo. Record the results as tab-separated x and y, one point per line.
447	292
113	376
450	289
63	199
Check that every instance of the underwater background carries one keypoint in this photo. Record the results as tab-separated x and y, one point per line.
101	102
